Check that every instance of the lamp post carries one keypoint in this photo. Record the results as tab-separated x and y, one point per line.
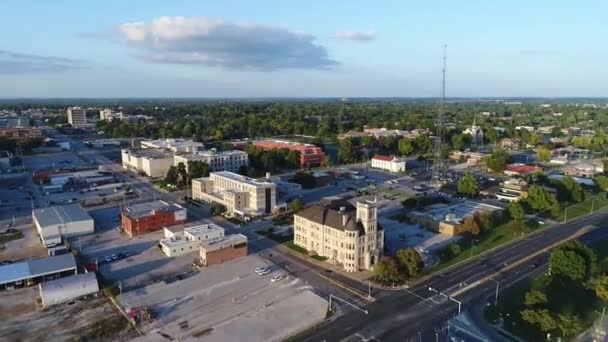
472	245
496	294
448	297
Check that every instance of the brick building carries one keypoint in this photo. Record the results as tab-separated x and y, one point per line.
224	249
141	218
19	133
310	155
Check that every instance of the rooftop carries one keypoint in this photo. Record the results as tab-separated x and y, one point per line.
455	213
148	208
168	143
240	178
222	242
211	153
36	267
61	215
151	153
328	216
203	229
522	168
385	158
69	284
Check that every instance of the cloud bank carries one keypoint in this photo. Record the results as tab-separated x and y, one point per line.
22	63
356	36
213	42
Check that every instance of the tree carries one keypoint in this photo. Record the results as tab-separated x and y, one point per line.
198	169
516	212
498	160
411	261
535	297
570	190
386	271
182	175
172	175
368	141
346	151
296	205
568	264
540	199
540	318
601	182
556	132
292	159
468	186
218	209
305	179
543	154
568	324
405	147
470	225
457	141
327	162
490	134
600	287
454	250
422	144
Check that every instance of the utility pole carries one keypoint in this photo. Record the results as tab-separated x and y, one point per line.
566	215
496	294
438	163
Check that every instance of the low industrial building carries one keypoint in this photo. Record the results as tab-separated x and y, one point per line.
67	221
513	190
141	218
447	219
242	196
173	145
67	289
223	249
346	235
189	239
584	170
31	272
154	163
388	163
218	161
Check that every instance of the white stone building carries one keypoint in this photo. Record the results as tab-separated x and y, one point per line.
189	240
153	162
173	145
217	161
389	163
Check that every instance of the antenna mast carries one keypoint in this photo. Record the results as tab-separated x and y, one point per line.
438	162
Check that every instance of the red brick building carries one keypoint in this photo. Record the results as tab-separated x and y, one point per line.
224	249
310	155
141	218
20	133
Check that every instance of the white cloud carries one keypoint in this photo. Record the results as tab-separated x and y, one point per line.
356	36
213	42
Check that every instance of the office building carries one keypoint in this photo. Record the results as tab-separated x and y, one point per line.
189	239
77	117
18	133
241	195
173	145
108	114
217	161
388	163
223	249
154	163
141	218
309	155
347	236
67	221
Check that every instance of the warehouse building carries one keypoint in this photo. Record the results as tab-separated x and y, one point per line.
69	288
189	239
68	220
223	249
30	272
141	218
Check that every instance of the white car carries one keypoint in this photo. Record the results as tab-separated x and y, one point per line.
276	278
260	268
264	272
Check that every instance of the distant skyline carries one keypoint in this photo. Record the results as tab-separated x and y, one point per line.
268	48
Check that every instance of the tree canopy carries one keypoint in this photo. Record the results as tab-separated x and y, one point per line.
467	186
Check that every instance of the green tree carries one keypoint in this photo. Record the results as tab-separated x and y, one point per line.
411	261
516	212
568	264
182	174
422	144
218	209
368	141
540	199
305	179
498	160
568	324
490	134
543	154
470	225
386	271
172	176
535	297
296	205
346	151
468	186
454	250
405	147
601	182
292	159
556	132
600	287
457	141
327	162
570	190
540	318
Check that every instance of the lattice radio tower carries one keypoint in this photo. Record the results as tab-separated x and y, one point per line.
438	160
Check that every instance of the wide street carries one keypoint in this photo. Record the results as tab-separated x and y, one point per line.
399	314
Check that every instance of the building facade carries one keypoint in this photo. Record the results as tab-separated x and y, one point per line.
346	236
55	223
189	239
241	195
513	190
217	161
153	162
310	155
18	133
77	117
173	145
141	218
223	249
388	163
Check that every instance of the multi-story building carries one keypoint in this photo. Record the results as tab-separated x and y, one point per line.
348	236
141	218
223	249
217	161
108	114
513	190
584	170
20	133
241	195
77	117
189	239
153	162
389	163
310	155
173	145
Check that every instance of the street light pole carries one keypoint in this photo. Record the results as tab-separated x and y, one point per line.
566	215
496	294
472	242
448	297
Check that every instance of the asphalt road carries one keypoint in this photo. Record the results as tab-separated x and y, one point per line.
397	315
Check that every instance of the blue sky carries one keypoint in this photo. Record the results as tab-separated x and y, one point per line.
268	48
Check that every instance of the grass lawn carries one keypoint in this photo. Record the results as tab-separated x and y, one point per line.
496	237
584	207
268	233
296	248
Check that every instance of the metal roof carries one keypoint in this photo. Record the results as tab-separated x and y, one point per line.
68	288
36	268
61	215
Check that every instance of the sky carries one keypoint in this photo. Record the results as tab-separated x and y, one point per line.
271	48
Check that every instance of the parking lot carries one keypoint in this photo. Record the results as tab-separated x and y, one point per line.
16	196
28	246
229	302
92	194
50	161
399	235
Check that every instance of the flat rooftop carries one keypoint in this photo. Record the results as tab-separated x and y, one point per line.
146	209
61	215
209	154
459	210
222	242
240	178
151	153
203	229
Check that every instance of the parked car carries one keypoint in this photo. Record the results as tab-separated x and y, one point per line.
276	278
114	256
264	272
108	258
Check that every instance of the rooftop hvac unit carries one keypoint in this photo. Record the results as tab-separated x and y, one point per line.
450	217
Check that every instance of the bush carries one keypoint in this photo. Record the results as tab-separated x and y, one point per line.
297	248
